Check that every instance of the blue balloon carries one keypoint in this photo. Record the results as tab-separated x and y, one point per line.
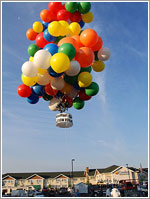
38	90
53	73
60	94
32	99
76	86
52	48
48	37
81	23
45	25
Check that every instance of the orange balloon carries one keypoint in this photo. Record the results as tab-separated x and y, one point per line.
49	90
31	34
89	37
45	15
68	40
67	89
85	56
77	38
98	45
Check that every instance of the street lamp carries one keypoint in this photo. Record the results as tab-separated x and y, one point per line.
72	170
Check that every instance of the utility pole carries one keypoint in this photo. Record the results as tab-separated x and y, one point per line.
72	171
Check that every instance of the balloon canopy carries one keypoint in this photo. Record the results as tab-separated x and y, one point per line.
63	59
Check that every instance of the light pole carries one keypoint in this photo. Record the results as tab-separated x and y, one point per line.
128	171
72	170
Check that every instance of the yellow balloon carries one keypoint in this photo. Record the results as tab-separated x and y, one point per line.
88	17
64	28
84	79
31	59
67	88
98	66
37	27
60	62
54	28
42	71
29	81
74	28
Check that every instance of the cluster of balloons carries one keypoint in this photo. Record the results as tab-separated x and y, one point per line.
62	57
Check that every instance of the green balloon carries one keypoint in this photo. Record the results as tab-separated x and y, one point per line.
84	7
47	97
32	49
92	89
96	57
71	79
78	103
71	6
86	69
58	39
67	49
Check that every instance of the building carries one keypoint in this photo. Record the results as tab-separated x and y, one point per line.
110	175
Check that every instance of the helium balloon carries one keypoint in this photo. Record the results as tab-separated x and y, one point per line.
67	49
68	40
32	99
53	104
31	34
89	37
71	6
74	28
98	45
52	48
81	23
40	40
53	73
31	58
42	59
24	90
42	71
45	15
59	94
84	7
48	37
57	83
98	66
78	42
63	15
67	89
55	6
75	17
78	103
32	49
88	17
50	91
85	56
77	87
47	97
74	68
29	69
64	28
60	62
68	101
104	54
37	27
54	28
29	81
71	79
96	57
43	79
38	90
45	25
74	92
92	89
84	79
87	69
83	96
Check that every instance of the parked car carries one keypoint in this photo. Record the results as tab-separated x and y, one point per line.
38	194
63	190
144	190
18	193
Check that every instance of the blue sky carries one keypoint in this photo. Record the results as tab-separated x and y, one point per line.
113	126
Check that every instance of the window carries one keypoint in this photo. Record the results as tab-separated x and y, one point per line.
39	181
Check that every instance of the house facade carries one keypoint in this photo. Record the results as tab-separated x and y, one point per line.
110	175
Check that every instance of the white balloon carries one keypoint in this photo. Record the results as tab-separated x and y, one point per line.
57	83
53	104
103	54
29	69
74	68
43	79
42	59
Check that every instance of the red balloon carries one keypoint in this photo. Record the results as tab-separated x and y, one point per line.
40	41
63	15
24	91
55	6
49	90
98	45
45	15
83	96
31	35
75	17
